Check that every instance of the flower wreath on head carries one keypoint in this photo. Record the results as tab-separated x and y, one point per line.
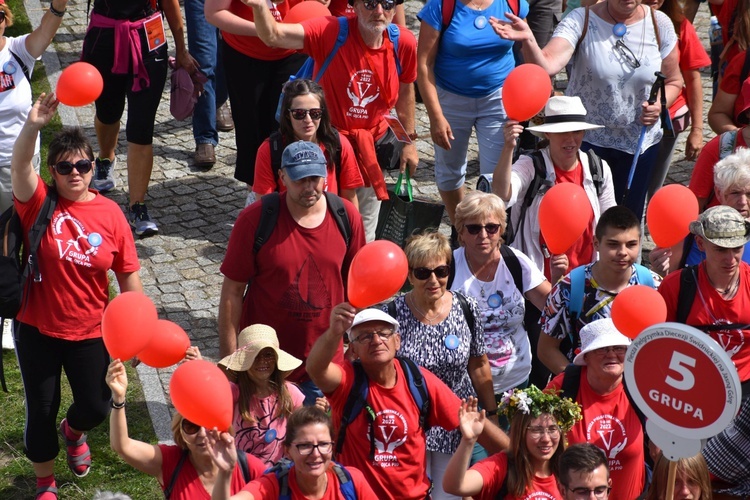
535	401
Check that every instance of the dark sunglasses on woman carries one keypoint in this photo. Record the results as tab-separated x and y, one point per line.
65	167
2	15
300	114
424	273
475	228
189	428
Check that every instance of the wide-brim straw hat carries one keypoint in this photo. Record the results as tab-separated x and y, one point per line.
250	342
563	114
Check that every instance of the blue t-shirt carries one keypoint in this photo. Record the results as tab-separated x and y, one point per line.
696	256
471	61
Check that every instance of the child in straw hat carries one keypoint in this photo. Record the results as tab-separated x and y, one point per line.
262	396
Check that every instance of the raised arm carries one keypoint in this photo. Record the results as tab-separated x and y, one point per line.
22	175
501	177
457	479
224	454
142	456
273	34
326	374
39	39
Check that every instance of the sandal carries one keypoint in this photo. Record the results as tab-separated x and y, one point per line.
80	463
41	493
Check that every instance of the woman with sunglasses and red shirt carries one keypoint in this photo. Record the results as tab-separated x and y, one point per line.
185	470
59	324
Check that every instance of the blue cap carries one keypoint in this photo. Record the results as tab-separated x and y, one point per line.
303	159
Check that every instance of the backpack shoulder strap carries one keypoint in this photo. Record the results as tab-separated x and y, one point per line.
514	266
417	388
281	471
354	404
276	145
597	171
641	416
466	308
686	295
539	180
175	473
244	466
577	286
452	275
340	39
269	214
571	381
394	33
584	30
644	276
338	211
448	9
687	246
656	26
346	485
336	156
37	231
24	68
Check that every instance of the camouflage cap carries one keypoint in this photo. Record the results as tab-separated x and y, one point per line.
723	226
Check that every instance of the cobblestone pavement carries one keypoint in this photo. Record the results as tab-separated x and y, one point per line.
195	208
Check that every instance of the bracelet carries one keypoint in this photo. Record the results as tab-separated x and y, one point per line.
57	13
491	413
117	406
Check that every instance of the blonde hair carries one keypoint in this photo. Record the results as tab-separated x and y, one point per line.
695	468
421	248
479	205
8	15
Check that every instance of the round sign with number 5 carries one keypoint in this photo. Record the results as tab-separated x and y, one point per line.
682	380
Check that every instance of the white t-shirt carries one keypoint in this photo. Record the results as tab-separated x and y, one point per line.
508	348
611	89
15	95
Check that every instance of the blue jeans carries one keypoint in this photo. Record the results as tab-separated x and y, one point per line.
204	42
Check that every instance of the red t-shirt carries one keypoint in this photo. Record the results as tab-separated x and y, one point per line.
266	182
297	276
398	470
267	486
582	251
717	311
253	46
726	16
692	56
702	179
611	423
341	8
360	90
731	84
494	469
188	485
69	301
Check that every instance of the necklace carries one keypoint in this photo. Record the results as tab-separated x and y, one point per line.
428	319
731	288
478	279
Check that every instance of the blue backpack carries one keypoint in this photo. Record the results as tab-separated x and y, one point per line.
306	71
281	470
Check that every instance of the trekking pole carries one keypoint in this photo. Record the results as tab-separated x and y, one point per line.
651	100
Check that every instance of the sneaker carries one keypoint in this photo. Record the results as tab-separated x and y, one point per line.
8	334
224	122
104	176
140	220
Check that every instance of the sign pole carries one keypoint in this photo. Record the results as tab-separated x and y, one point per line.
671	476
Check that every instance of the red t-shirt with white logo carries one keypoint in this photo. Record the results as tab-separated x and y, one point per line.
494	470
398	470
610	422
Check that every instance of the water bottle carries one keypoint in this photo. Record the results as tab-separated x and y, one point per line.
714	31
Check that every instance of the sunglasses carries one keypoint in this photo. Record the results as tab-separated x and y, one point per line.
627	54
189	428
300	114
2	16
373	4
65	167
424	273
474	229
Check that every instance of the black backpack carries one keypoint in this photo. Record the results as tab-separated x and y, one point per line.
277	144
541	183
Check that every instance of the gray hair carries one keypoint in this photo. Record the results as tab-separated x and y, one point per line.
734	170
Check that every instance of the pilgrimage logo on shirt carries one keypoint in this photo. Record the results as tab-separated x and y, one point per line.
74	243
362	90
391	431
608	433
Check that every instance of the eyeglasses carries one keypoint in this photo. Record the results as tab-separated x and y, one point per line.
475	228
538	432
424	273
300	114
367	337
617	349
373	4
189	428
627	54
599	492
2	15
65	167
324	448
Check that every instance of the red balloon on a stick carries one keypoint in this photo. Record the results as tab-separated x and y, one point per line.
79	84
564	213
636	308
127	324
377	271
669	214
167	345
306	10
201	393
525	91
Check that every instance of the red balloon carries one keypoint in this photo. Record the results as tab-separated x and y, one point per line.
377	271
564	213
525	91
636	308
127	324
79	84
167	345
669	214
201	393
306	10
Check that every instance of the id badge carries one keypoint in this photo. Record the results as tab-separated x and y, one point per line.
155	35
398	129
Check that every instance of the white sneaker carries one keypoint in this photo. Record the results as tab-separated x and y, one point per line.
8	334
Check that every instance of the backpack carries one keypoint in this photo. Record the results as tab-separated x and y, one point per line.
269	215
577	286
277	145
540	181
448	8
241	459
281	471
511	261
586	28
357	400
465	307
307	70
